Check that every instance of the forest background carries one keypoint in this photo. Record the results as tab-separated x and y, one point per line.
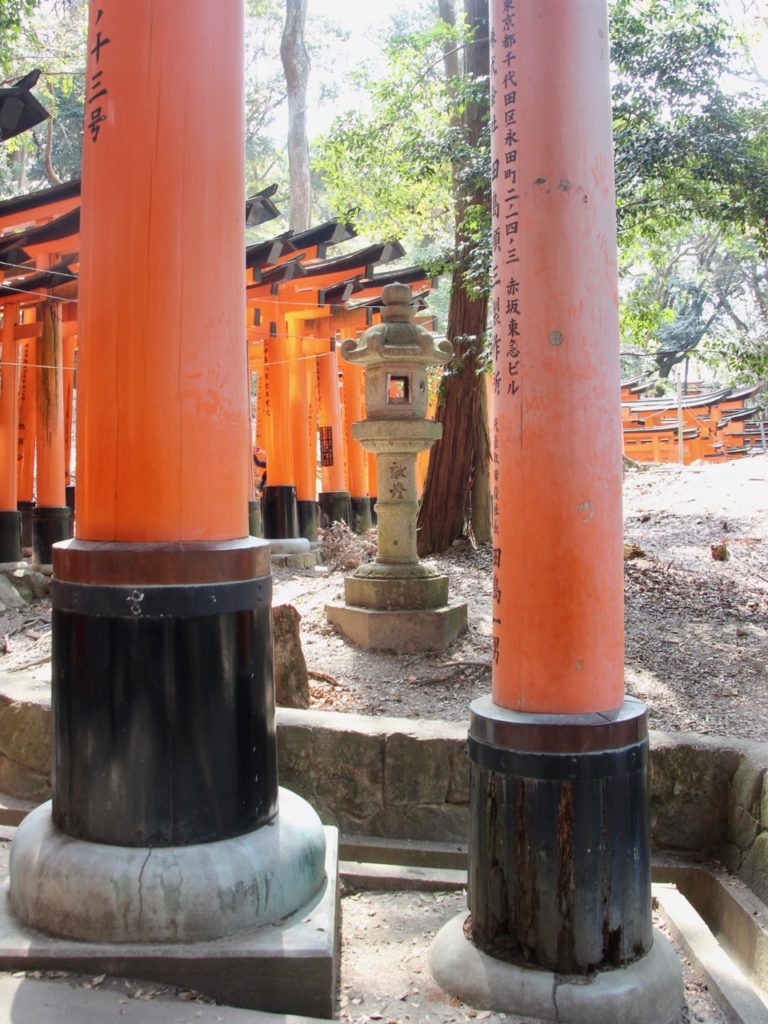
381	118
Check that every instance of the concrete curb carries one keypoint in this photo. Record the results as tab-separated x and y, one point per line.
731	989
30	1001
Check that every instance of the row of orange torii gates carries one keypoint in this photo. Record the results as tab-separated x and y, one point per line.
710	424
300	303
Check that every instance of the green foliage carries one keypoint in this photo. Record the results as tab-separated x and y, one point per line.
12	13
266	94
698	289
391	168
52	37
684	146
406	167
689	153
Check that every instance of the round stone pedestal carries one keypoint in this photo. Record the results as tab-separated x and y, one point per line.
648	991
94	892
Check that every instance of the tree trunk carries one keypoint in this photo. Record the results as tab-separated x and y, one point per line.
456	490
447	503
50	173
296	65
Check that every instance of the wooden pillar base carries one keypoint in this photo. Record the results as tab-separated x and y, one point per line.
335	507
10	536
162	692
559	849
49	526
362	518
255	525
308	519
26	508
280	513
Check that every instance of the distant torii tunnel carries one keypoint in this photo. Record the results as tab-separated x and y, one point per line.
300	303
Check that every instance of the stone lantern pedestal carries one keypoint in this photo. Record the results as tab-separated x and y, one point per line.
397	602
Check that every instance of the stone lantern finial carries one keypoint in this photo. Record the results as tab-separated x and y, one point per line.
397	301
397	602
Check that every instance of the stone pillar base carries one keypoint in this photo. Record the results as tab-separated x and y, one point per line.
648	991
403	631
95	892
396	593
287	967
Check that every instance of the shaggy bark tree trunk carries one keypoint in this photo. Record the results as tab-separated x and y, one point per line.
296	66
455	498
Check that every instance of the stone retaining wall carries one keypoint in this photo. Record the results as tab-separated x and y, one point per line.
409	779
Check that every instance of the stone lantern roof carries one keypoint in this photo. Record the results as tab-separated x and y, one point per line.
396	338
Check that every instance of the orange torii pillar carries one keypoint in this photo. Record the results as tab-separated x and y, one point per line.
51	517
279	508
334	497
259	465
27	417
165	771
312	348
304	458
559	875
69	348
354	410
10	517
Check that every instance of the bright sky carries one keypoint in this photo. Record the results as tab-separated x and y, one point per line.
361	17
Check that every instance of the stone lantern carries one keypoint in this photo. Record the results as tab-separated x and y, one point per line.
397	602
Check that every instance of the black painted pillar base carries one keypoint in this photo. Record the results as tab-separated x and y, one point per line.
26	508
374	517
307	519
559	849
335	506
10	536
255	525
280	513
361	514
49	526
163	703
70	498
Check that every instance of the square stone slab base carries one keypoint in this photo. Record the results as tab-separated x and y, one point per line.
405	632
288	967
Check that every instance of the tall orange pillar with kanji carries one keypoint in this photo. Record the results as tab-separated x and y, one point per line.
165	803
559	875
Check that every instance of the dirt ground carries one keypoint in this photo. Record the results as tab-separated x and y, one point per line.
696	627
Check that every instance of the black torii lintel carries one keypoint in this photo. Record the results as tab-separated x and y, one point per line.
19	110
259	207
323	236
